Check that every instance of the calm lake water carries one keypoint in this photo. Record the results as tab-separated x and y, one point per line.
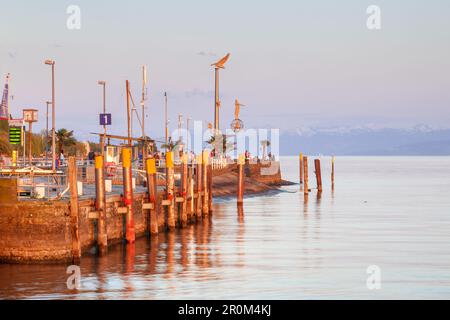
389	212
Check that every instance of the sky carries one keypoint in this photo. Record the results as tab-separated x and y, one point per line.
293	63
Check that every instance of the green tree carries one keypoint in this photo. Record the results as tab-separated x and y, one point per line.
64	139
170	146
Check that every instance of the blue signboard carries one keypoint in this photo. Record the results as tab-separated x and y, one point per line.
105	119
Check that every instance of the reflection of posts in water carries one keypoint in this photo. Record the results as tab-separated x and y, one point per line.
130	253
153	255
305	203
169	252
318	175
305	175
128	194
201	243
100	204
240	213
100	265
184	248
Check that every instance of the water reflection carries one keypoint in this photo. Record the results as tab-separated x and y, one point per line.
283	245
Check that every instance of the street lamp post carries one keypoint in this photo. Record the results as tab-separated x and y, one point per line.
166	118
218	65
188	120
46	133
102	140
52	63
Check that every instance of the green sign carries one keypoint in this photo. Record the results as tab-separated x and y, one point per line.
15	135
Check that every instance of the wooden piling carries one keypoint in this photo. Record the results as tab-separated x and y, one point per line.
318	175
301	168
210	193
100	204
74	227
184	190
205	183
332	171
199	188
128	194
152	194
305	175
170	192
191	191
240	186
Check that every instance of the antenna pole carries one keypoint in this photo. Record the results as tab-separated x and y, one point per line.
128	112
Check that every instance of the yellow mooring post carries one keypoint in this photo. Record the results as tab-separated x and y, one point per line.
128	194
100	204
301	168
184	189
170	193
205	182
240	189
305	175
198	185
332	172
150	169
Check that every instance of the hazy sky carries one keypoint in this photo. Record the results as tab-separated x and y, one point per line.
294	63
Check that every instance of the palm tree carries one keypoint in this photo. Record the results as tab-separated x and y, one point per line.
265	144
219	143
170	146
65	138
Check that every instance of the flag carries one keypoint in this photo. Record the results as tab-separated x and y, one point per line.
4	108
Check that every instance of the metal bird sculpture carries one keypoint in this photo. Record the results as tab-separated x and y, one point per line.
237	108
220	64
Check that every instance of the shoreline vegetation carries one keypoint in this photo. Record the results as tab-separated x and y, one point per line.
65	140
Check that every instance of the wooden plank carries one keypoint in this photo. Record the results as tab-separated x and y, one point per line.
166	202
93	215
122	210
148	206
180	200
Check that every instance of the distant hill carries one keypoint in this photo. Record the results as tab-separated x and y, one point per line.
419	140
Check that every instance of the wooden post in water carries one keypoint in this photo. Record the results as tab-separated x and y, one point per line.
332	172
76	245
191	191
210	192
199	189
128	194
170	179
100	204
240	189
301	168
152	194
305	175
205	183
318	175
184	189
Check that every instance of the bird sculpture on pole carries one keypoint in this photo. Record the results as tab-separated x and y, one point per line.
217	66
237	123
